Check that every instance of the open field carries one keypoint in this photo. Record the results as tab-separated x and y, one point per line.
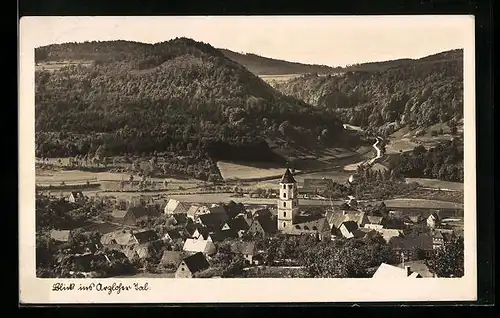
421	204
434	183
271	79
55	66
238	171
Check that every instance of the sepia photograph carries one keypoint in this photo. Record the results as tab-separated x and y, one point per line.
247	148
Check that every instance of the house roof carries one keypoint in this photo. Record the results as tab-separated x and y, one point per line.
180	217
119	214
219	209
76	194
172	206
422	241
213	220
60	235
203	232
192	210
267	223
389	271
196	262
417	267
375	219
288	177
232	209
318	224
172	257
238	224
174	235
248	248
145	236
387	234
351	226
203	246
336	218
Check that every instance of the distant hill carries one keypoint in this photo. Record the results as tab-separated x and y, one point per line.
260	65
384	96
180	96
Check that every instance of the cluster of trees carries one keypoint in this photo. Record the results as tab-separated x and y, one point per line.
449	261
444	161
417	93
175	96
344	258
59	213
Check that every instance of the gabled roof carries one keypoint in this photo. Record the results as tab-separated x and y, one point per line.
422	241
374	219
387	234
203	246
213	220
145	236
288	177
351	226
417	267
173	205
180	218
219	209
203	232
60	235
77	194
172	257
174	235
191	212
319	224
119	214
196	262
238	224
267	223
389	271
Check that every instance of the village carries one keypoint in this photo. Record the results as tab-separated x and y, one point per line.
171	238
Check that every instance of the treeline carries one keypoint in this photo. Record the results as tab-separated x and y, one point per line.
176	96
443	162
416	93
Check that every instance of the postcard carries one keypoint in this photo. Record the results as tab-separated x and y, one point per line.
227	159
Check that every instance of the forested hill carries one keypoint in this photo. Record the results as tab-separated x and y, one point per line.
260	65
175	96
386	95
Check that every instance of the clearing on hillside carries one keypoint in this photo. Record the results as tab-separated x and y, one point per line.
243	171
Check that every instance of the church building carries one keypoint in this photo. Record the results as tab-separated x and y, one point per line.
290	219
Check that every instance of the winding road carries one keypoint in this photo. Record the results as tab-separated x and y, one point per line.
371	161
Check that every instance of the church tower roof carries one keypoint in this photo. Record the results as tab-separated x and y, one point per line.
288	177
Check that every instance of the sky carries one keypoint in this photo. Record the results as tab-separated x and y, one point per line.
328	40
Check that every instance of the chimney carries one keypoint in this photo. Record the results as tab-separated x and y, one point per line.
407	270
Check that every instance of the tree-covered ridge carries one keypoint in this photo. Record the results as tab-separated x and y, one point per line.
260	65
417	93
173	96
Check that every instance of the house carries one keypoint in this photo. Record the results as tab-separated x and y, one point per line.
191	265
212	220
336	218
232	209
178	219
387	234
173	235
146	236
131	216
195	210
348	228
305	224
76	196
433	220
206	247
201	233
246	249
118	239
412	247
386	271
374	222
417	267
60	235
263	226
171	258
238	225
174	206
220	235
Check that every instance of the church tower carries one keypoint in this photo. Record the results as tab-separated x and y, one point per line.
288	202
